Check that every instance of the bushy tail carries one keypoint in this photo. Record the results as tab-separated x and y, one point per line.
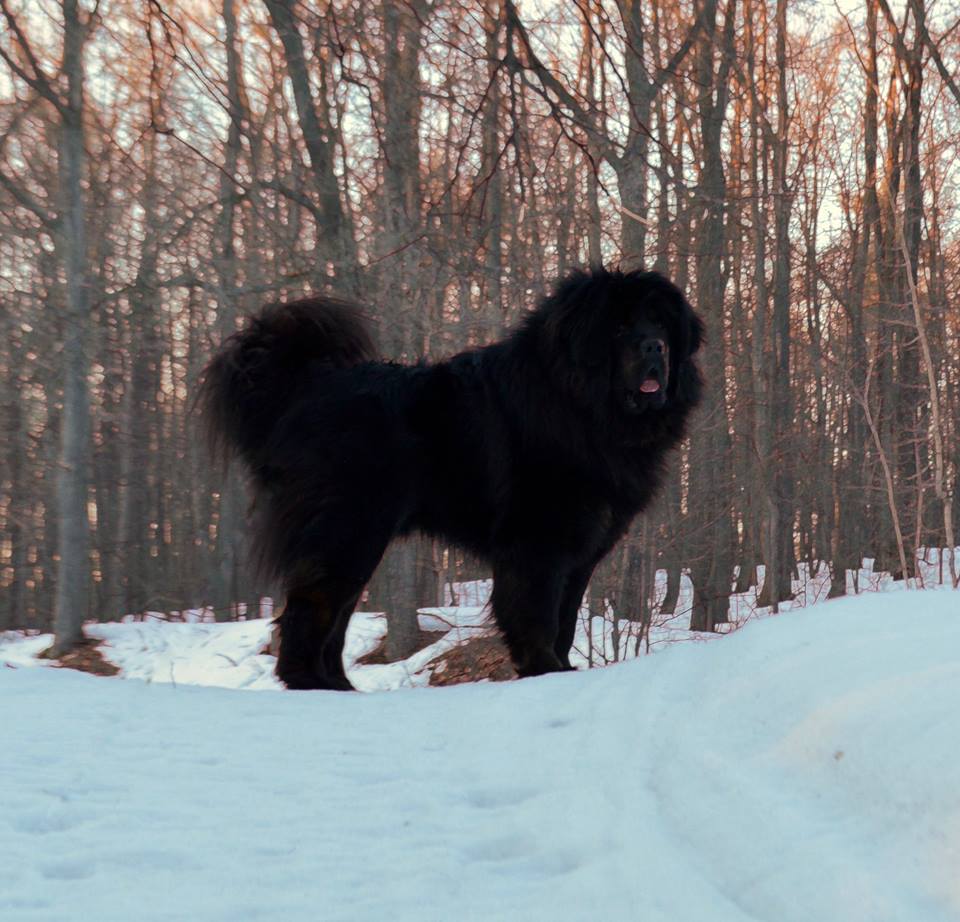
252	378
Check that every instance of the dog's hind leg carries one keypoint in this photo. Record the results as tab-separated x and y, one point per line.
331	559
312	629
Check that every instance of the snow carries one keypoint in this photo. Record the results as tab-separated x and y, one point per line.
232	655
804	767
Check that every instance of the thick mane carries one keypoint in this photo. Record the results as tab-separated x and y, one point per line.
572	332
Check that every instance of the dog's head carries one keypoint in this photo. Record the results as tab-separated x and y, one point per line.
626	338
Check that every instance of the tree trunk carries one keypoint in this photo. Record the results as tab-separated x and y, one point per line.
778	543
73	572
711	567
411	561
336	243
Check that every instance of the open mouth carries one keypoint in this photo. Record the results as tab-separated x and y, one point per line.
649	394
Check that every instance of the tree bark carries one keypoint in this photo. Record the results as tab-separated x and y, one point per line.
336	243
73	548
711	568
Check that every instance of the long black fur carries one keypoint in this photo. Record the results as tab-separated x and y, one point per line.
534	453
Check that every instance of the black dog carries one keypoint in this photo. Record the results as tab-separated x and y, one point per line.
534	453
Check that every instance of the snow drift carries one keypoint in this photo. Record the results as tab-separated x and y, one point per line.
805	767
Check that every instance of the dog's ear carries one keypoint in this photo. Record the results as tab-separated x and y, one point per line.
686	385
577	318
573	328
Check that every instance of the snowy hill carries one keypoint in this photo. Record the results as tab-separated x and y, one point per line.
806	767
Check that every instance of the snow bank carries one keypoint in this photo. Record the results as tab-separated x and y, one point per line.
232	655
805	767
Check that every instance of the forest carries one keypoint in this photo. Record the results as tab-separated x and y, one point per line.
167	166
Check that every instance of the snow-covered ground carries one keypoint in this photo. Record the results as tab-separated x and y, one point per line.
232	655
806	767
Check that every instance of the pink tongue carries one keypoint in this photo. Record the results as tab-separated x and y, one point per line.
650	386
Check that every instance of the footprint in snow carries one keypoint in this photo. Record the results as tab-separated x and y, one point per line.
43	822
67	869
523	854
490	798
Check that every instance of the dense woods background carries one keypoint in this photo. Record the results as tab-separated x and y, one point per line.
168	165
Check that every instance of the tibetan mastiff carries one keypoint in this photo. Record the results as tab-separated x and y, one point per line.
534	453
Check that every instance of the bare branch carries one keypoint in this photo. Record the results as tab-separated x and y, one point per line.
549	82
37	78
934	50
